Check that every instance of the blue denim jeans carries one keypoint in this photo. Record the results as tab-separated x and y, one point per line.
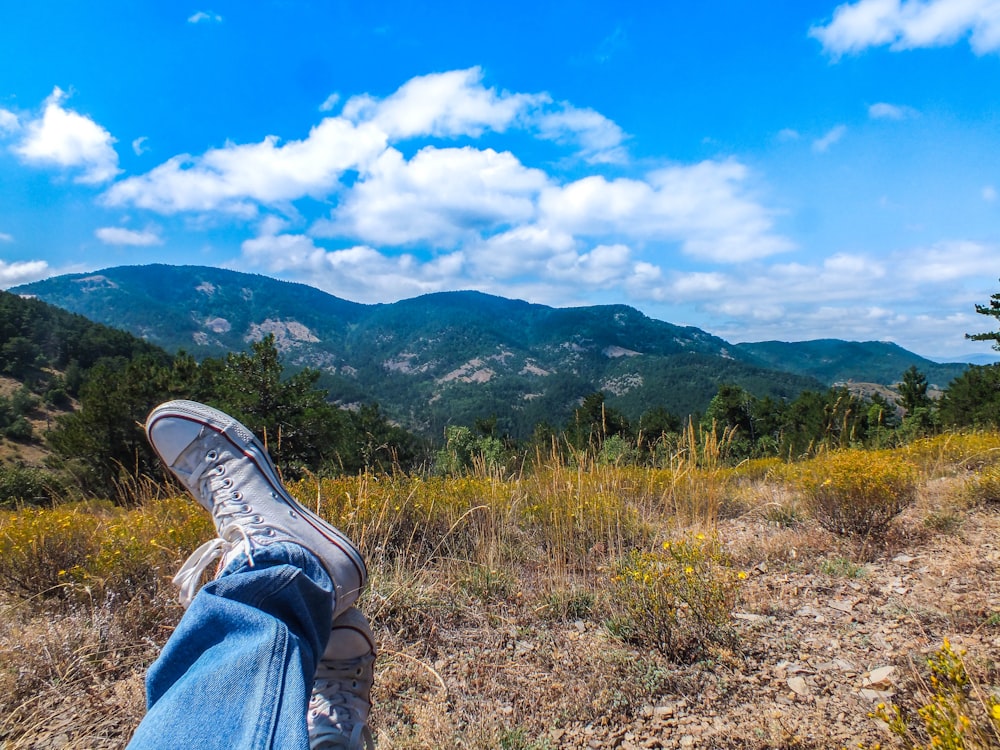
238	670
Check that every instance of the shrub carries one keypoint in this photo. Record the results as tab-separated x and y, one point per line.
97	548
857	492
42	552
952	713
942	454
25	485
20	430
677	599
985	486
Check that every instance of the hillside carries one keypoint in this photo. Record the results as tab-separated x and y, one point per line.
834	361
456	356
45	353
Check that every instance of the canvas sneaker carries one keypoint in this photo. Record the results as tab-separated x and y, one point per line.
341	696
228	471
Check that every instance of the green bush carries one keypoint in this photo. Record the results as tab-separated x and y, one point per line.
23	485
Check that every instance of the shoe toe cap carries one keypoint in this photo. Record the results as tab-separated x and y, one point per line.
171	436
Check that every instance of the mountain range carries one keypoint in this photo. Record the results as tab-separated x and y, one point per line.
453	357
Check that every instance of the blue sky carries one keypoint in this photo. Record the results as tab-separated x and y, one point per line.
782	170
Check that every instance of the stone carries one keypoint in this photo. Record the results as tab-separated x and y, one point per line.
799	686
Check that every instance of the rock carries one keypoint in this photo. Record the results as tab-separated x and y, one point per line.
799	686
880	677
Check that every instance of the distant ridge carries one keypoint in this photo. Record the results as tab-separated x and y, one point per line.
452	357
836	361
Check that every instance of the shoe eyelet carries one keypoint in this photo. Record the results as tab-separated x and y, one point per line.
227	483
293	514
211	455
237	495
220	469
258	519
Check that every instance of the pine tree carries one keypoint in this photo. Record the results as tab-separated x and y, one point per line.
992	310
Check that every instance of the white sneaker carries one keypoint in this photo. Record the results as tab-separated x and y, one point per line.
226	469
341	696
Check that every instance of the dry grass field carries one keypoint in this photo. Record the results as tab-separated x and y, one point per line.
850	599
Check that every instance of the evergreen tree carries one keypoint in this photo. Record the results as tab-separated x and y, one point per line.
992	310
972	399
913	390
594	421
103	440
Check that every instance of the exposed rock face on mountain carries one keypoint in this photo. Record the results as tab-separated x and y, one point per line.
445	357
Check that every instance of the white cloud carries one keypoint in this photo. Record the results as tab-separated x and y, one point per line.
330	103
603	266
440	196
205	16
947	261
238	178
519	252
930	299
704	207
505	225
9	122
989	193
4	237
910	24
234	177
822	144
559	274
442	105
64	138
886	111
600	139
123	236
22	272
456	103
788	134
139	145
359	273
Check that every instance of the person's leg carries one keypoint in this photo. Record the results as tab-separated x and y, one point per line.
238	670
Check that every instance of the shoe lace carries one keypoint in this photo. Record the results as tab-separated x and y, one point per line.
338	713
227	506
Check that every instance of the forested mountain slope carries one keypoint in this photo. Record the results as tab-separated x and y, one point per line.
453	357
